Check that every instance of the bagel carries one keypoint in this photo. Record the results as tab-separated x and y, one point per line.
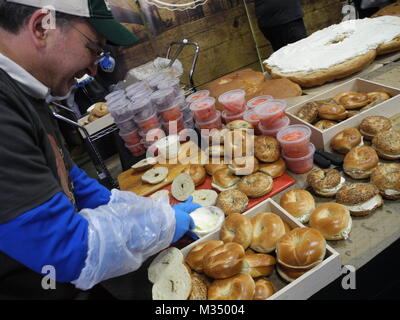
242	166
256	185
224	261
359	198
332	112
258	265
300	250
332	220
387	144
352	99
308	112
299	203
237	228
360	161
263	290
182	187
205	197
155	175
268	228
325	182
197	173
346	140
239	124
232	201
239	143
274	169
378	96
372	125
144	164
100	109
386	178
196	255
239	287
211	168
266	149
224	179
324	124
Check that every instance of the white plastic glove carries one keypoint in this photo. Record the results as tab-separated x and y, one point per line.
123	234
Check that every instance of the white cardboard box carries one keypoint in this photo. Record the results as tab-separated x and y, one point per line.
387	108
97	125
306	285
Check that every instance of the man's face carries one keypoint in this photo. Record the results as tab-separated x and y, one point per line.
73	52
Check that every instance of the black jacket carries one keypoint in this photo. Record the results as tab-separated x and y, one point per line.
272	13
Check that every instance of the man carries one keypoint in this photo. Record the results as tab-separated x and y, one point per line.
281	22
41	190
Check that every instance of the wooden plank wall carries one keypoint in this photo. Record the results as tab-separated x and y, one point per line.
225	38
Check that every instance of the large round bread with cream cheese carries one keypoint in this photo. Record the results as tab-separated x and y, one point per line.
336	51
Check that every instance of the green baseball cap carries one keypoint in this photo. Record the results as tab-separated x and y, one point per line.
97	12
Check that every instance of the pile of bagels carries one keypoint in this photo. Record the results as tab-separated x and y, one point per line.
370	176
326	113
100	109
241	166
237	265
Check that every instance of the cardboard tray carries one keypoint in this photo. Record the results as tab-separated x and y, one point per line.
310	282
321	139
97	125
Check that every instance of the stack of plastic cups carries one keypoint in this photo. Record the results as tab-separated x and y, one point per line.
272	117
154	80
251	117
173	83
205	114
297	150
198	95
234	105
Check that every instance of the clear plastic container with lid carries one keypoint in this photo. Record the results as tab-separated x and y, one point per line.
233	101
270	111
142	108
204	109
115	95
121	112
163	99
173	127
214	123
137	149
251	104
197	96
172	113
294	140
173	83
229	118
273	131
136	87
251	117
154	80
302	164
130	137
149	123
143	93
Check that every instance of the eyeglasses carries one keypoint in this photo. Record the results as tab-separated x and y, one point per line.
94	47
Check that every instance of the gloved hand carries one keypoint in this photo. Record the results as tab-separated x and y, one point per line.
184	221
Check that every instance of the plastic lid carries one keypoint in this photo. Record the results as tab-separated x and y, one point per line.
198	95
161	94
136	86
257	100
141	103
282	124
226	115
293	134
202	104
231	96
250	116
140	93
270	108
168	83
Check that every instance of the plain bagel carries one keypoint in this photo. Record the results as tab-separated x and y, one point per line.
237	228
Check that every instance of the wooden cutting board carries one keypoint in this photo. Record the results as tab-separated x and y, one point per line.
131	181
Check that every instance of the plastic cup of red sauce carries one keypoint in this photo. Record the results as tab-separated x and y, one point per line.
215	123
251	104
131	137
149	123
204	109
271	111
302	164
233	101
229	118
172	113
137	149
198	96
274	131
294	140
